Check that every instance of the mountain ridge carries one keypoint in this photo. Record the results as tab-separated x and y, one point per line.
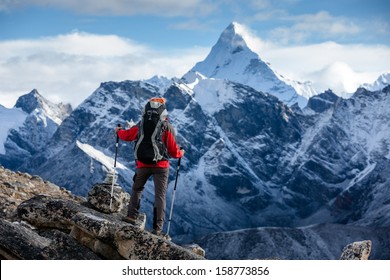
28	127
220	168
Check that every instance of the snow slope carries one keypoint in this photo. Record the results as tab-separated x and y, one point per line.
9	119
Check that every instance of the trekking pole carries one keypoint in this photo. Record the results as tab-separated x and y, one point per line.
113	175
173	198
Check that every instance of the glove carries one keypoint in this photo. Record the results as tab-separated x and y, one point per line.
117	128
130	124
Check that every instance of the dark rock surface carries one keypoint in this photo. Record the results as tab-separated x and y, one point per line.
57	225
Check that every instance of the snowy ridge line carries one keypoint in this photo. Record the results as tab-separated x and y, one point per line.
309	135
231	147
360	176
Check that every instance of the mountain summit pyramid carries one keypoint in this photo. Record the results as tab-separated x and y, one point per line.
35	101
232	59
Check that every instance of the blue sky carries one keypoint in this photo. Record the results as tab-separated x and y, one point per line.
66	48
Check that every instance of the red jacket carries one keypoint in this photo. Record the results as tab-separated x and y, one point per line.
168	138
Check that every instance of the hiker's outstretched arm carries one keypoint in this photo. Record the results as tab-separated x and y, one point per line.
128	134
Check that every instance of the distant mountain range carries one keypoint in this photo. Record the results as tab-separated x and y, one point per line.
258	152
28	127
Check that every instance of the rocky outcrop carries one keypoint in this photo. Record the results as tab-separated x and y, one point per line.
16	187
58	225
359	250
100	195
20	241
105	234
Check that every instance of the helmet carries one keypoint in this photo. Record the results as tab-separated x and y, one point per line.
156	102
156	105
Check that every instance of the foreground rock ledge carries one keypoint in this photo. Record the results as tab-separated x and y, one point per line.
104	234
18	241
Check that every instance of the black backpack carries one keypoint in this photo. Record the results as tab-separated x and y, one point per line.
149	147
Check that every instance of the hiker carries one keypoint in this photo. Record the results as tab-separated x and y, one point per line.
154	142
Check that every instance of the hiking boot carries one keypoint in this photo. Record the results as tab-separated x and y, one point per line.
130	220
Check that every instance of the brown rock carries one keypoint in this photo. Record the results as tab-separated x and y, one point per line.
18	241
357	250
16	187
100	195
105	234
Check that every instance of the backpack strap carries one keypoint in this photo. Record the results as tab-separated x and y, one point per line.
157	132
140	137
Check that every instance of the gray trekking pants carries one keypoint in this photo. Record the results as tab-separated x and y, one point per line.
160	178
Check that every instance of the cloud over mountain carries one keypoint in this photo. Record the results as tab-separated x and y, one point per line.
119	7
67	67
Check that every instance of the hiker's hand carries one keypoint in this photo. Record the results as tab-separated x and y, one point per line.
182	152
117	128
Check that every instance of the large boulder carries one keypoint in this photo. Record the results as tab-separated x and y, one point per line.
359	250
136	244
100	198
105	234
19	241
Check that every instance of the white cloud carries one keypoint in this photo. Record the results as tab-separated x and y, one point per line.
260	4
341	78
253	41
341	68
321	24
121	7
69	67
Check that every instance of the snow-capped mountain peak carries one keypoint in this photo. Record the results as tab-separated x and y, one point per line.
380	83
232	38
34	101
232	59
160	82
28	127
30	101
228	57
